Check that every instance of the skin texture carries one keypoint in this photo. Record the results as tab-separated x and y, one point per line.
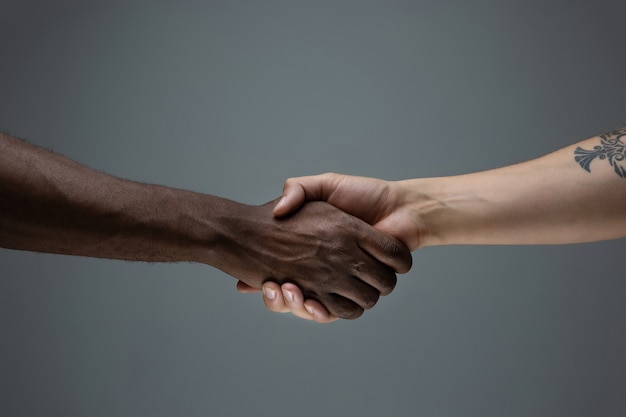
51	204
576	194
323	250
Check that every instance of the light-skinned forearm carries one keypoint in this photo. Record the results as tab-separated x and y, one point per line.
576	194
549	200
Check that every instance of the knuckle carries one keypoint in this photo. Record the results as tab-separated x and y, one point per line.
343	308
371	300
388	246
388	284
275	307
406	260
352	314
398	254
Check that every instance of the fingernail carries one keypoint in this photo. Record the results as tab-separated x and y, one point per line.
280	203
288	295
309	309
269	293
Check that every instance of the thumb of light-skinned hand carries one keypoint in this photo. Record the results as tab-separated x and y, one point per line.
297	191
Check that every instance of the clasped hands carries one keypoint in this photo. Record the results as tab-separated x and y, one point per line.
331	245
356	247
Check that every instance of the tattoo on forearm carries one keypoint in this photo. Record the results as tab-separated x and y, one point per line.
610	148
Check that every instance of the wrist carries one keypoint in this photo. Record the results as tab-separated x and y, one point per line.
440	208
211	227
422	205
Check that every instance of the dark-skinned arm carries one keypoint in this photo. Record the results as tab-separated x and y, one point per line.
49	203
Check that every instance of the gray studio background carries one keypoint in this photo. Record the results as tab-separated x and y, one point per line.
230	98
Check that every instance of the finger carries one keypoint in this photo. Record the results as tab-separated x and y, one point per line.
244	288
293	198
377	276
342	307
319	312
307	309
298	190
386	249
273	298
360	292
294	301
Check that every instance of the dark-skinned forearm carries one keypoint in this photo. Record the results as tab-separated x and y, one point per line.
49	203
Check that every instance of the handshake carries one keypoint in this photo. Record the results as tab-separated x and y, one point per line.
328	248
332	244
332	256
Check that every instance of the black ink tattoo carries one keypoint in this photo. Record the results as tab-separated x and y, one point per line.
611	148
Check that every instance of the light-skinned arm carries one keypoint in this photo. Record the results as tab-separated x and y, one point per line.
576	194
49	203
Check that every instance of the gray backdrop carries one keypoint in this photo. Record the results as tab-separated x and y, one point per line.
230	98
